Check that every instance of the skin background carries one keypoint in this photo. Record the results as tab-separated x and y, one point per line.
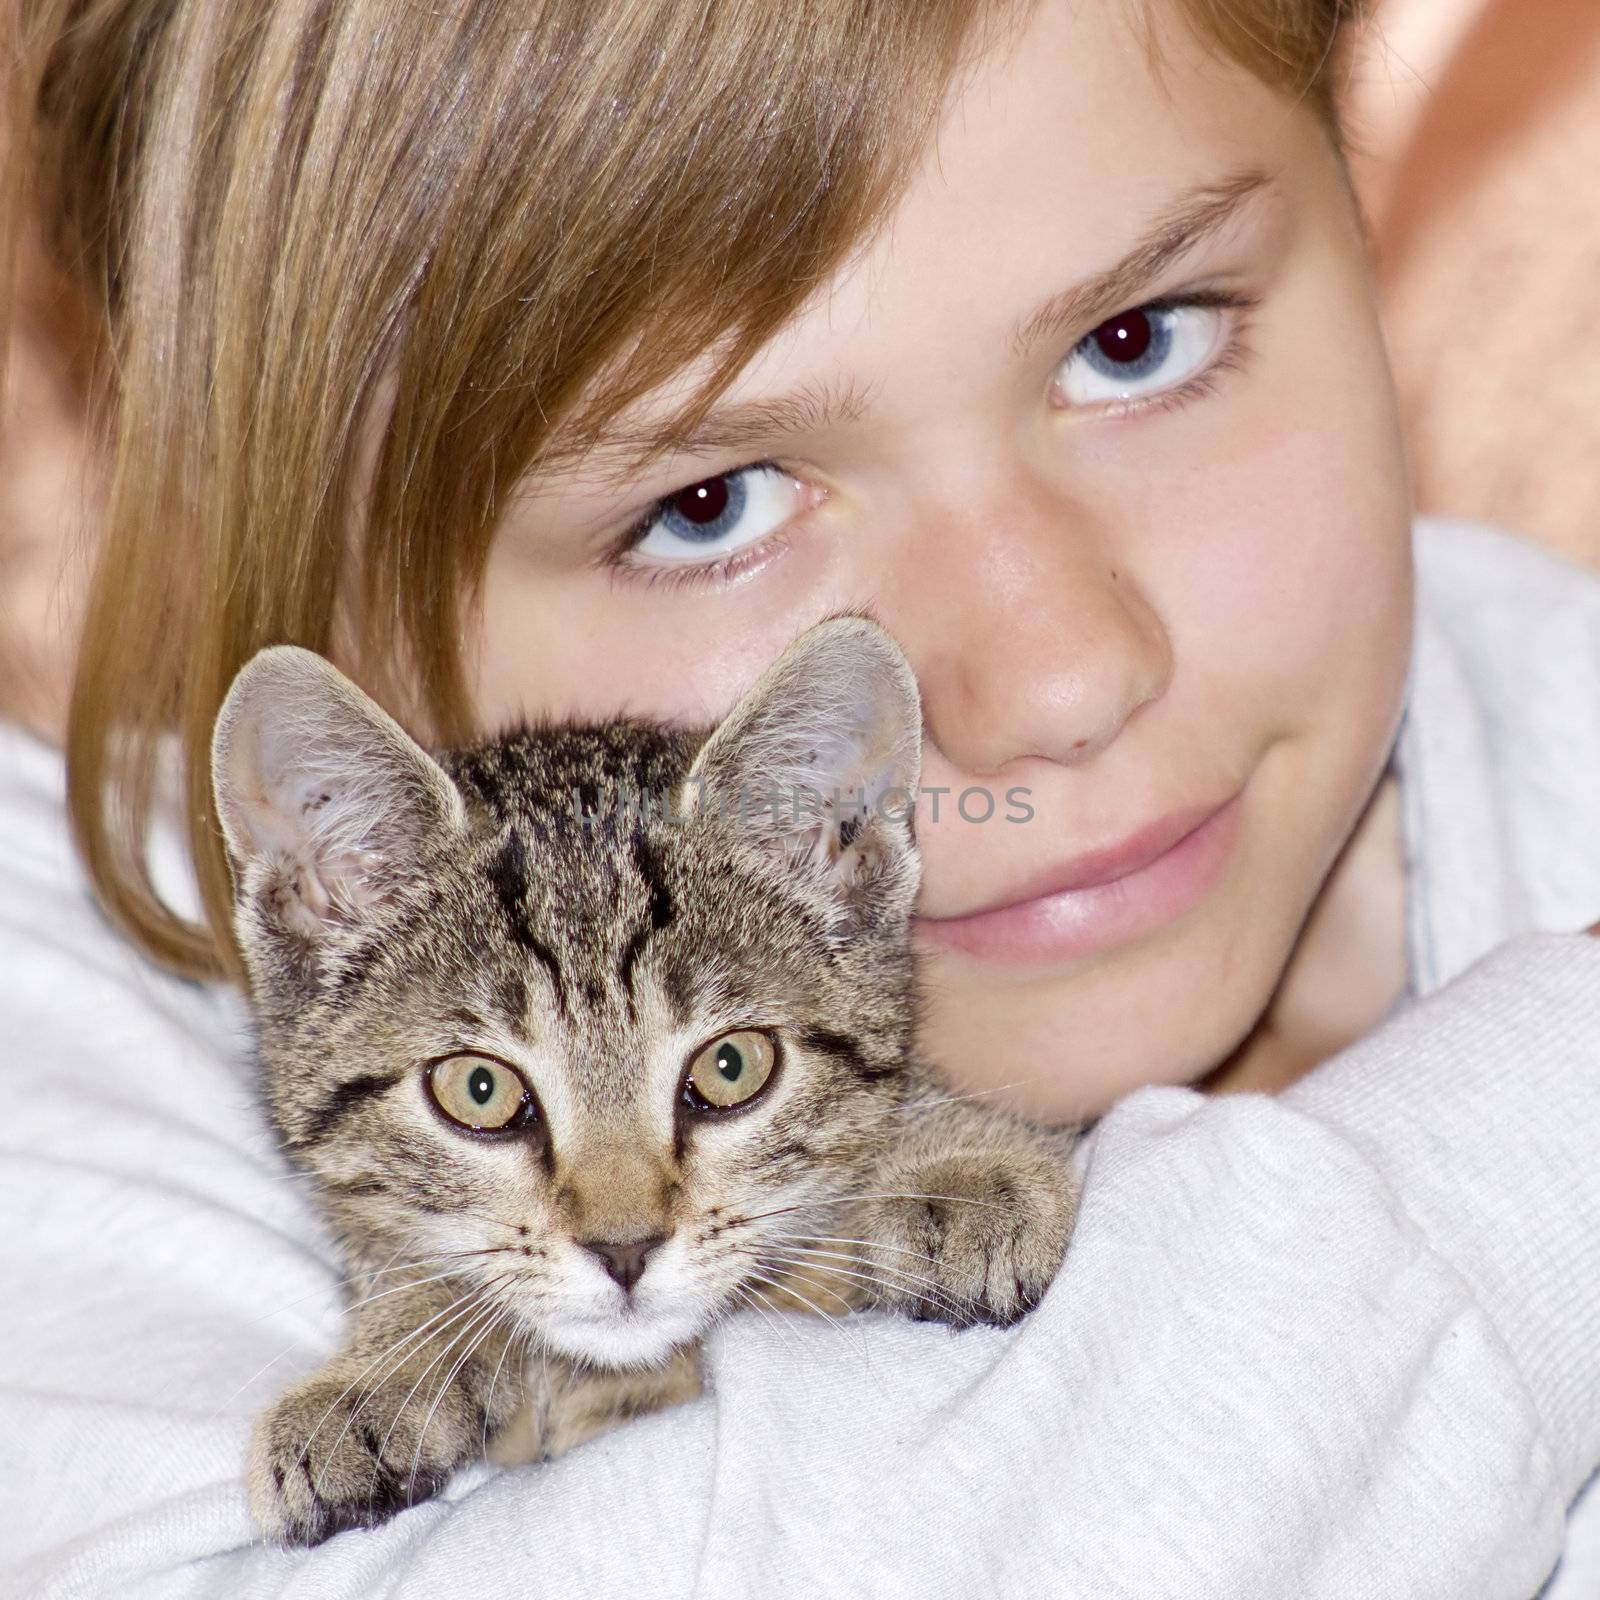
1480	120
993	1032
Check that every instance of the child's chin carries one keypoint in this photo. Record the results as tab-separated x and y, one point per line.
626	1340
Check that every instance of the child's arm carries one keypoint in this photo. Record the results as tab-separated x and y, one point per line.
1341	1343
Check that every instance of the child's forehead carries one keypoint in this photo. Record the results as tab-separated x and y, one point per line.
1081	97
1068	171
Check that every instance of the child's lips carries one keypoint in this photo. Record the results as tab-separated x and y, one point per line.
1102	897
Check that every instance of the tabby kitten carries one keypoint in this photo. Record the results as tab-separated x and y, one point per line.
571	1081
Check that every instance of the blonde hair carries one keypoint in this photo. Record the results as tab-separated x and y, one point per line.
294	216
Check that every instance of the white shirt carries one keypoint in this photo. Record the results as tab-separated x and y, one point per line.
1341	1343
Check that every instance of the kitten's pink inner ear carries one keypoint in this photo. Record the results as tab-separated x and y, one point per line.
280	807
836	715
321	790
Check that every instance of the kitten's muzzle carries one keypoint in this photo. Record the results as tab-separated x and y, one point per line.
624	1262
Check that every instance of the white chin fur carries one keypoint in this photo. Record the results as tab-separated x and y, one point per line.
636	1340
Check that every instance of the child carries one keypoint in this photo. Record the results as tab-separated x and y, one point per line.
567	359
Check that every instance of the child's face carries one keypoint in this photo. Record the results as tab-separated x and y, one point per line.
1142	572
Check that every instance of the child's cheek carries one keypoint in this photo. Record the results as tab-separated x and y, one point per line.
1287	575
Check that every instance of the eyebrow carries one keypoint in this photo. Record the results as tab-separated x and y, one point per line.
810	409
1193	217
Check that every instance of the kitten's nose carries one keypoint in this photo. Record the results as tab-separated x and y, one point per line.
625	1262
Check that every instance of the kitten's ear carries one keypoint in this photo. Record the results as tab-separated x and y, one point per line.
821	758
325	801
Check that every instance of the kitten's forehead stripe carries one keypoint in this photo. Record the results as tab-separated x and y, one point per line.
486	789
546	957
682	992
511	996
650	870
660	914
630	956
509	875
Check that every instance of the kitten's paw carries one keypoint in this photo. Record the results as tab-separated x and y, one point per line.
330	1454
981	1240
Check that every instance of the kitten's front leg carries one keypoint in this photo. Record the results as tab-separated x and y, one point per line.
410	1397
977	1210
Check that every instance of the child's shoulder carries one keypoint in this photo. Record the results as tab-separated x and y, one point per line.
1519	624
38	871
1501	754
1489	588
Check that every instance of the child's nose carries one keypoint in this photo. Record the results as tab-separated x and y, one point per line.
1027	635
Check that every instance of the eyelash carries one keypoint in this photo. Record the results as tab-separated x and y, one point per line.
723	570
1235	353
1232	357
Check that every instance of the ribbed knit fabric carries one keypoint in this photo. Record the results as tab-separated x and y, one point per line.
1508	1197
1344	1343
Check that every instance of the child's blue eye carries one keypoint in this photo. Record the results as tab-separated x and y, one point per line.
1141	352
719	515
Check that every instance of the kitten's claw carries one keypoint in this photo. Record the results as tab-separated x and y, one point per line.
331	1455
977	1236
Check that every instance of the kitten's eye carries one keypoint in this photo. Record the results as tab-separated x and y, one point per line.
729	1071
484	1095
719	515
1140	352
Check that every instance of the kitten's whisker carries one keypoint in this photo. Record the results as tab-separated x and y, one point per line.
787	1268
853	1199
865	1244
953	1199
878	1276
814	1245
400	1288
752	1298
395	1354
760	1303
467	1317
409	1266
963	1097
484	1216
878	1285
228	1400
382	1356
805	1300
394	1255
496	1314
488	1405
887	1289
780	1287
456	1327
289	1305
